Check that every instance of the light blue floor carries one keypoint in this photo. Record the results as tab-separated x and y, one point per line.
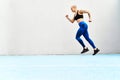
60	67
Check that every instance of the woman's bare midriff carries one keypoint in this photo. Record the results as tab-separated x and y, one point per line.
80	20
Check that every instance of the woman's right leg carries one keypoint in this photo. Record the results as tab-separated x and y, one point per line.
78	35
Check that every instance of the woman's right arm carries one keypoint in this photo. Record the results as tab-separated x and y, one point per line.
71	20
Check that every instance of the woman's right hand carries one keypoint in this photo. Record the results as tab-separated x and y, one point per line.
71	20
66	16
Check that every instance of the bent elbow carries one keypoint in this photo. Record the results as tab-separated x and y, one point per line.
72	21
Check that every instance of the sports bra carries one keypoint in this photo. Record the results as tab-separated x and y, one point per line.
78	16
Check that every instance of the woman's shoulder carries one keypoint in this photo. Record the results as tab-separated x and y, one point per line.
80	11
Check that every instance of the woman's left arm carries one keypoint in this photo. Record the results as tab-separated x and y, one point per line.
89	15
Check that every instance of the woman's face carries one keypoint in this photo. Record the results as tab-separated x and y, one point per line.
73	8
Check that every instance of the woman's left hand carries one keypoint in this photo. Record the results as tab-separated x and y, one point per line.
90	20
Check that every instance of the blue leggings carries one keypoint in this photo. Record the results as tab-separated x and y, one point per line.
83	31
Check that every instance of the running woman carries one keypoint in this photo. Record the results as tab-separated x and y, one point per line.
83	30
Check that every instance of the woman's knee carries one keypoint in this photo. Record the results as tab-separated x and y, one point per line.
78	38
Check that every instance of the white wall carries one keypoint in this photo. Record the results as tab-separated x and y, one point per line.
40	26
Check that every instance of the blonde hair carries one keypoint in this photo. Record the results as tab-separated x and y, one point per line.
73	6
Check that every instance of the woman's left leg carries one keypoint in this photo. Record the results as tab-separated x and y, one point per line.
86	36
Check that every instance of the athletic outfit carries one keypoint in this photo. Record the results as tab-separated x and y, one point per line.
83	30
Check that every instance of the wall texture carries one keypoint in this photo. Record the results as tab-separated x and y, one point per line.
40	27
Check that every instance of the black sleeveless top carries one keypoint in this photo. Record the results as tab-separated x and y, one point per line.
78	16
